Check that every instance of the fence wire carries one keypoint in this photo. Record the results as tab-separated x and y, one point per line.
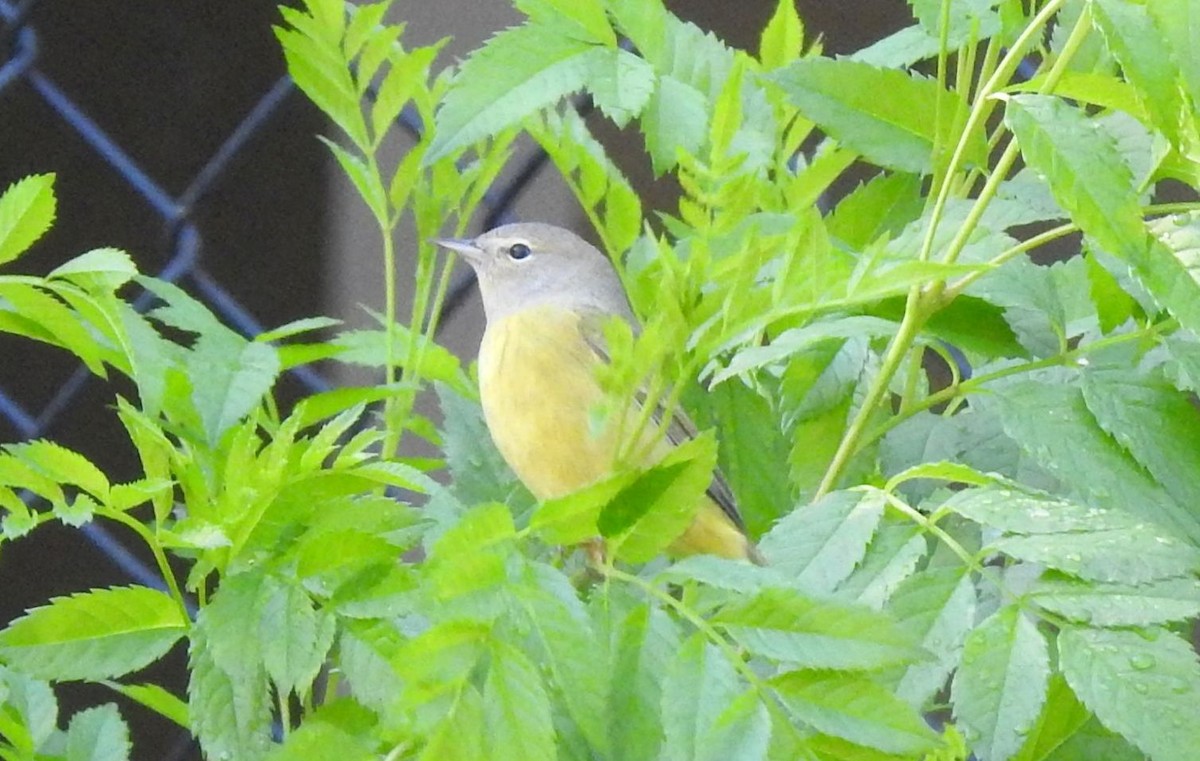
184	262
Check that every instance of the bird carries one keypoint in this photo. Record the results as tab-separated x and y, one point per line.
546	296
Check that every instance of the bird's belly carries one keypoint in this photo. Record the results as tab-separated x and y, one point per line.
537	385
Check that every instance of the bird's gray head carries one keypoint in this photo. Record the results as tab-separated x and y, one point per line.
531	264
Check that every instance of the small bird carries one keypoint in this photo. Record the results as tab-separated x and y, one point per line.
546	295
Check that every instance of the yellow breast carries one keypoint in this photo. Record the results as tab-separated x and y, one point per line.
537	382
537	385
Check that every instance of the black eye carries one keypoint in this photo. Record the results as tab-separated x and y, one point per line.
518	251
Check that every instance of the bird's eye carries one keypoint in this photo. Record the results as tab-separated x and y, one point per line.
518	251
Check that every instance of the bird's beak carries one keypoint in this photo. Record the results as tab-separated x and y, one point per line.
464	246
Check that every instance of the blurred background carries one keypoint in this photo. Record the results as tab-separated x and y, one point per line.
177	137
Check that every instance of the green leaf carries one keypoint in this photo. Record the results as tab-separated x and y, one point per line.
783	36
676	119
231	716
94	635
1156	424
1118	604
882	206
788	626
55	323
26	212
461	733
1062	717
296	637
892	556
753	451
98	734
577	19
110	267
937	607
821	544
516	708
855	709
1078	452
502	83
646	515
62	465
999	689
364	654
642	645
369	348
368	183
892	118
1143	684
1090	180
572	655
470	556
703	719
1105	545
340	730
409	72
1131	38
32	708
621	83
156	699
1178	23
321	71
478	472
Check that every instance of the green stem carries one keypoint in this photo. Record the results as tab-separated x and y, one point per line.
956	288
704	627
979	111
160	557
914	317
1012	151
977	383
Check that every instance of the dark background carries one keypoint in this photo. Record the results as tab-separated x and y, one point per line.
169	84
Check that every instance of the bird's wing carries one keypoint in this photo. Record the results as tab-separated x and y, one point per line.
680	429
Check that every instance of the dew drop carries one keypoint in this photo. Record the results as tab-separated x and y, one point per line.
1142	661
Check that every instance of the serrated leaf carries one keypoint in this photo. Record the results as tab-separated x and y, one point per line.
516	708
577	19
1178	21
98	734
365	651
999	689
1079	453
367	182
52	322
753	452
855	709
62	465
1143	684
296	637
788	626
1156	424
409	71
1062	717
94	635
676	119
340	730
892	118
621	84
35	708
26	212
722	573
574	658
1118	604
502	83
319	69
882	206
1131	39
936	606
109	266
653	509
783	36
230	716
820	544
891	557
700	685
478	471
1090	180
642	644
460	735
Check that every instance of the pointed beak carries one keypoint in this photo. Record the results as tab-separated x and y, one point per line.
464	246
